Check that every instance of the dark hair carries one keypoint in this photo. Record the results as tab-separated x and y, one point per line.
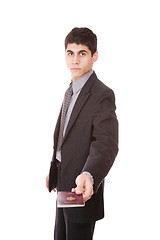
83	36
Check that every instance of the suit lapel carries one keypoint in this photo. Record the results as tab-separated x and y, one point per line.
77	108
81	100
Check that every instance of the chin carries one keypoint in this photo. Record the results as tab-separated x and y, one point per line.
76	76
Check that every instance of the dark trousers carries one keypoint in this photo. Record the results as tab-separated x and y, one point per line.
68	230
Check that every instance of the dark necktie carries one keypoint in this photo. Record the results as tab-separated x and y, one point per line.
66	101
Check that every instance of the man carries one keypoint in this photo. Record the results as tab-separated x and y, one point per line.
85	139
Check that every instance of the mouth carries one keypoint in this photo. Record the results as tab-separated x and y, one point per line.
75	69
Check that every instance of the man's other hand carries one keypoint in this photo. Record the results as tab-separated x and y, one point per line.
47	184
84	186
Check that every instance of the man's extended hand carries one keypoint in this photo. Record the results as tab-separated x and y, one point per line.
84	186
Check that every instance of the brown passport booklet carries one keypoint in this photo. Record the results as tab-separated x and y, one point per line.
69	199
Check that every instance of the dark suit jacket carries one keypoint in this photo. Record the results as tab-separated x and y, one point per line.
90	144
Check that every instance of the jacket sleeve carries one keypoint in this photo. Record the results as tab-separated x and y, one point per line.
104	147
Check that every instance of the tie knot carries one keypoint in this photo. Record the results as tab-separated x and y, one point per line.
69	90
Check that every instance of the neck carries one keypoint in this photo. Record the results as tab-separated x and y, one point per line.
77	78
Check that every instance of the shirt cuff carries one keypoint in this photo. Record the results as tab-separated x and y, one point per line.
91	177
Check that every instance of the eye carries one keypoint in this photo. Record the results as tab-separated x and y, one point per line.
69	53
82	54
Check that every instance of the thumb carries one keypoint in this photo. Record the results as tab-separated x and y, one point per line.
80	184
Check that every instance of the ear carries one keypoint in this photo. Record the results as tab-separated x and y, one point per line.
95	56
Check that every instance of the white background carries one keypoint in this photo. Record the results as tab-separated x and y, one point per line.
33	78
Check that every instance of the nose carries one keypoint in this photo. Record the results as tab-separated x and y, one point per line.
75	59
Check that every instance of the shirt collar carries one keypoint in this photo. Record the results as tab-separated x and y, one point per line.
78	84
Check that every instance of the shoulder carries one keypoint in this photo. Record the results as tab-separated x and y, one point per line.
100	89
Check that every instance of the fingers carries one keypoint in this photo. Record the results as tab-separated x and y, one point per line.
73	190
47	184
88	191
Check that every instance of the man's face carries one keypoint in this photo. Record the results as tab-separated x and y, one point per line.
79	60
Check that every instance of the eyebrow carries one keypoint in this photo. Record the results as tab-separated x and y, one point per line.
81	51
